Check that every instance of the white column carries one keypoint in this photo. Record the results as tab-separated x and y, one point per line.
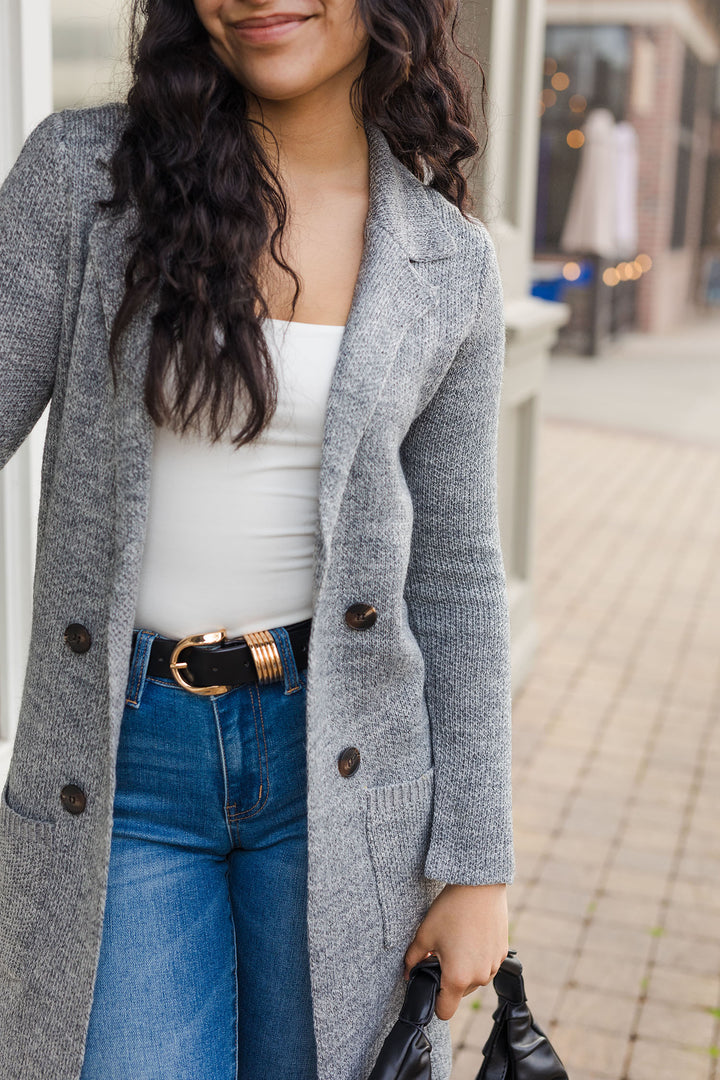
508	36
25	98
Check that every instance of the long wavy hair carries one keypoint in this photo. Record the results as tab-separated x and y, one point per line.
209	203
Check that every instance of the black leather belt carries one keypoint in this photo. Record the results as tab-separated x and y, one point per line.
220	664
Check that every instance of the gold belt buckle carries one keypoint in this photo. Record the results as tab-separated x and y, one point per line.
211	638
263	647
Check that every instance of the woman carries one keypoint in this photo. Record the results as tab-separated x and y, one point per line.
220	854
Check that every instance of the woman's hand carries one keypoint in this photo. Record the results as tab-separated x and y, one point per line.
466	926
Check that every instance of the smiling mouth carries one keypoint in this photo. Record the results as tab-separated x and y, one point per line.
269	20
270	27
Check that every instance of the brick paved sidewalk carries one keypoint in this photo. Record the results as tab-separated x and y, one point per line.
615	910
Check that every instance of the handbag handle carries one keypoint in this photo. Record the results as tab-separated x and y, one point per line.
405	1054
517	1046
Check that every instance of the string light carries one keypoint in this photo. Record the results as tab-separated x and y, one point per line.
571	271
626	271
575	139
578	103
560	81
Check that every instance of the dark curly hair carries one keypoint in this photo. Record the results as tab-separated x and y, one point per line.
209	203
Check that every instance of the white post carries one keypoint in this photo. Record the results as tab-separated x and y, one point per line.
508	35
26	97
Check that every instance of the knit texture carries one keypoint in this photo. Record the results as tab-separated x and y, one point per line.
407	521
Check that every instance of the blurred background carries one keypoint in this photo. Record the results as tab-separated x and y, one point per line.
601	187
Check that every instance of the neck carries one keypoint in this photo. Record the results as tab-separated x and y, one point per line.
333	148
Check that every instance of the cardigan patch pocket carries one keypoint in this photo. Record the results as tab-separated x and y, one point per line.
398	820
28	866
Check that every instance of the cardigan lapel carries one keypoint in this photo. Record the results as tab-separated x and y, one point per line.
402	228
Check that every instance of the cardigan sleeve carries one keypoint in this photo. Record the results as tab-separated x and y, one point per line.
34	243
457	602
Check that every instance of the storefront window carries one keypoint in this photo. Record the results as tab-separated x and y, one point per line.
586	67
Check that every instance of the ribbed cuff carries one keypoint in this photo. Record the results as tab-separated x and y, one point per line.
464	855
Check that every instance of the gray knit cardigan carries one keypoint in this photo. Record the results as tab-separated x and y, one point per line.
407	521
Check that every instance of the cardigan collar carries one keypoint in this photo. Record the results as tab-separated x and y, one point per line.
398	202
401	203
403	233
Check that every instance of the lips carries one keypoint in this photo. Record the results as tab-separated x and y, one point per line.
270	29
269	20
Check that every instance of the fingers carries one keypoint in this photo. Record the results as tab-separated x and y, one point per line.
455	986
447	1001
456	981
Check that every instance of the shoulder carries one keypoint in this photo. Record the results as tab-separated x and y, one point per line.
88	131
73	139
474	258
425	218
474	248
474	268
65	156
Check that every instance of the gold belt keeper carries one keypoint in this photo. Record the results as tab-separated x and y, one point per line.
265	654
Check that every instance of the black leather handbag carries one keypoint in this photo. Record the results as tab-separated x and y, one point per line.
516	1049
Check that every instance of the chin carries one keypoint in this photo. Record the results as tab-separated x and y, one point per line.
275	88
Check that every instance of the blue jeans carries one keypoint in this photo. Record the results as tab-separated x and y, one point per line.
203	971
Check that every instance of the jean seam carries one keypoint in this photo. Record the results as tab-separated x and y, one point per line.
265	756
170	683
236	1024
264	773
223	758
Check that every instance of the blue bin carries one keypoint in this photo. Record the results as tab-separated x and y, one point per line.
552	289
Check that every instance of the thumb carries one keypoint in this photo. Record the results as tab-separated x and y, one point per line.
415	952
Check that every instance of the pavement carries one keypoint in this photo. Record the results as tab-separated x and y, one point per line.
615	908
662	384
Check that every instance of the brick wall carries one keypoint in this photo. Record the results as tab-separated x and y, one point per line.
657	137
665	294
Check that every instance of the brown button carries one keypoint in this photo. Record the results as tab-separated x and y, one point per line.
73	799
77	637
349	760
360	616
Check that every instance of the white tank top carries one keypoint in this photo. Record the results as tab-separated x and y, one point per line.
231	532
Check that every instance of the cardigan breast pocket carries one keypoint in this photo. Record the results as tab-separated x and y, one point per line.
398	820
29	857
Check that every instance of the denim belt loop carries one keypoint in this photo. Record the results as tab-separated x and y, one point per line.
290	672
139	666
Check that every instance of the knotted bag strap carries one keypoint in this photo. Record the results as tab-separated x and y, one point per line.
517	1046
405	1054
